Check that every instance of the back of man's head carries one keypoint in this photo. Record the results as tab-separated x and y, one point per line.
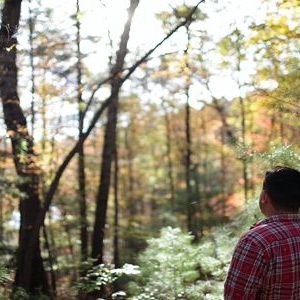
282	184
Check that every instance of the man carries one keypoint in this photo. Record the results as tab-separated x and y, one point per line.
266	260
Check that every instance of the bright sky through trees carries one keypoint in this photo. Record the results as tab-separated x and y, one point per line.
222	17
106	19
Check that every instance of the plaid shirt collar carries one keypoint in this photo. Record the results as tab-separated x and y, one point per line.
278	218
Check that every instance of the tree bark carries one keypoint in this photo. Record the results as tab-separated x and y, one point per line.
23	153
190	201
116	212
110	141
32	66
81	156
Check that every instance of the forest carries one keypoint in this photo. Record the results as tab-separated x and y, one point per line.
134	137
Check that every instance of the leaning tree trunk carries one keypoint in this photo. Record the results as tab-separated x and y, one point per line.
102	198
110	140
23	154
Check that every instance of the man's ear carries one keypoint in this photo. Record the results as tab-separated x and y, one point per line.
264	197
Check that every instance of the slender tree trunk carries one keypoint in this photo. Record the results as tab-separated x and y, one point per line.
24	158
132	209
51	261
131	201
204	184
69	253
81	158
116	214
244	154
188	164
244	158
3	156
223	173
110	141
103	191
188	141
205	162
169	157
282	135
47	231
32	67
2	163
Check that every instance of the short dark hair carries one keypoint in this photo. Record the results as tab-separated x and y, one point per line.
282	184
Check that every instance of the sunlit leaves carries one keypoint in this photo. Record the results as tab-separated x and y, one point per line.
281	155
22	149
100	276
183	11
179	12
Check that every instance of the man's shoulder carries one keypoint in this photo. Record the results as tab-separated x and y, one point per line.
259	235
270	230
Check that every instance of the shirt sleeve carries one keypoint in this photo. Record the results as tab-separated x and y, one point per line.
246	272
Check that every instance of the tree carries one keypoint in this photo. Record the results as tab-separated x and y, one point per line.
23	153
110	140
232	46
110	130
81	158
169	152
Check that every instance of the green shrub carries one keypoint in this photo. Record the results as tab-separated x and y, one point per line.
101	276
173	267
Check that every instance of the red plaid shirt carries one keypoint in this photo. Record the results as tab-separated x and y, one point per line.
266	261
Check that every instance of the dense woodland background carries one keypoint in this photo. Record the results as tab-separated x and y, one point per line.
134	139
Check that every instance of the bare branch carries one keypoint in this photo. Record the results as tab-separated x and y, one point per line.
145	57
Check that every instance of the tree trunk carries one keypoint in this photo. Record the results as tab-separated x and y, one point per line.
168	154
81	158
110	141
191	207
32	67
116	213
23	154
131	199
188	164
103	191
244	158
51	260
